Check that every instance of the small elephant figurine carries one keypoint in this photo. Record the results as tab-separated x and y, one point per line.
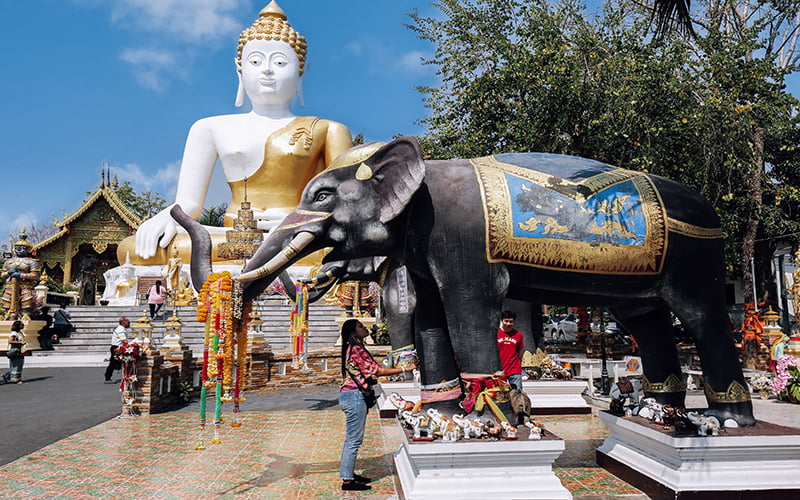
469	428
400	403
449	430
652	410
511	431
706	425
627	389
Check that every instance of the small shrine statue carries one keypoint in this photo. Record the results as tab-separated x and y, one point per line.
174	271
276	151
21	273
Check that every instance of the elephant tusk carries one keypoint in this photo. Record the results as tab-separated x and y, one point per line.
298	243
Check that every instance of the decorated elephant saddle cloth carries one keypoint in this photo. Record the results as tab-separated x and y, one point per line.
568	213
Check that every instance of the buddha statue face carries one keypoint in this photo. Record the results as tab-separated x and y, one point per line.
270	72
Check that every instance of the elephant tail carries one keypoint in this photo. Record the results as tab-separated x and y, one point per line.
201	246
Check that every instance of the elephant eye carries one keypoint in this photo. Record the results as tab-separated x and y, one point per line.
322	196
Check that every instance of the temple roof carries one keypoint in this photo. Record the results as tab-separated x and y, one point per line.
103	192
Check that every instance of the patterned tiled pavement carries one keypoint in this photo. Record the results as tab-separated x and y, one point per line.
286	455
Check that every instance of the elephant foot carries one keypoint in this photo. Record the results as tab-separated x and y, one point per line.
741	413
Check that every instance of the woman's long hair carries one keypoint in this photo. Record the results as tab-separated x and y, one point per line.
17	326
348	329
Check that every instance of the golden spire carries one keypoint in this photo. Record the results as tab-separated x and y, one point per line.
272	25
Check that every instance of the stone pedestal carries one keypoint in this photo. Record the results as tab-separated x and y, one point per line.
746	465
479	469
556	397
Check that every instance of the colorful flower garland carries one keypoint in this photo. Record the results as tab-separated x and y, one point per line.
224	348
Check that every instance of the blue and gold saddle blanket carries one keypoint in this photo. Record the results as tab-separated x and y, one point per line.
568	213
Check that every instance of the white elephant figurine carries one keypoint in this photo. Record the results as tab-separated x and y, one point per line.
469	428
511	431
449	430
419	425
652	411
536	430
705	425
627	389
400	403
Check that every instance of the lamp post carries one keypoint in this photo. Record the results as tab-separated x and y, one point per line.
143	330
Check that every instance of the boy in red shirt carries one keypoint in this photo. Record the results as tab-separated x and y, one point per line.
510	345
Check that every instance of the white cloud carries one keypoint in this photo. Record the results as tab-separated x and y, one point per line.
150	66
382	59
412	61
164	181
186	20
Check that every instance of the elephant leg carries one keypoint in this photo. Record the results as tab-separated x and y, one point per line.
705	318
663	377
473	316
441	385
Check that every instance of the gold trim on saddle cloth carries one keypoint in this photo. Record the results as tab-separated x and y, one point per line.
692	231
736	393
554	253
673	383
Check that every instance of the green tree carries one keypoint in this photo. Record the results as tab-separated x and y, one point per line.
214	215
708	110
143	204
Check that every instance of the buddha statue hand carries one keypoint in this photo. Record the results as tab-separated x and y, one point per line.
160	226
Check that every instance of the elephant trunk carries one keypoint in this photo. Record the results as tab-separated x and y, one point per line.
201	246
281	260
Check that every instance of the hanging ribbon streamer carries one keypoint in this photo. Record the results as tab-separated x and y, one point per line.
299	328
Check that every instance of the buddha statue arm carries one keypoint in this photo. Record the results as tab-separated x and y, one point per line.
337	142
199	157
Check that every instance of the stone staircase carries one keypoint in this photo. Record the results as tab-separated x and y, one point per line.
94	325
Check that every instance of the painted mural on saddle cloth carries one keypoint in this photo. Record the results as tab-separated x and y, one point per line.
471	232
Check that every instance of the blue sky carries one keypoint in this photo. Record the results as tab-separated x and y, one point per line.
88	82
119	82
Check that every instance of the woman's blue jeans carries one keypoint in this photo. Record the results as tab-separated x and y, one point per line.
355	412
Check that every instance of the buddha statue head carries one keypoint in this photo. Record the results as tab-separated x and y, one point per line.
272	41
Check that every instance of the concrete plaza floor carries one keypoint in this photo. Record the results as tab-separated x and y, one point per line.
287	447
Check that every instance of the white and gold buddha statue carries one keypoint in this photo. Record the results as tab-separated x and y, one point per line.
270	148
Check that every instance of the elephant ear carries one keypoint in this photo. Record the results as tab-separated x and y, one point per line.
398	171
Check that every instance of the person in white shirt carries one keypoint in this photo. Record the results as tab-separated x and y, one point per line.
119	336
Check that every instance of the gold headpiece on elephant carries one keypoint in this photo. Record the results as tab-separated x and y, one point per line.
272	25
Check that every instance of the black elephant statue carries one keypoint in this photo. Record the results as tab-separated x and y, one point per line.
531	226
